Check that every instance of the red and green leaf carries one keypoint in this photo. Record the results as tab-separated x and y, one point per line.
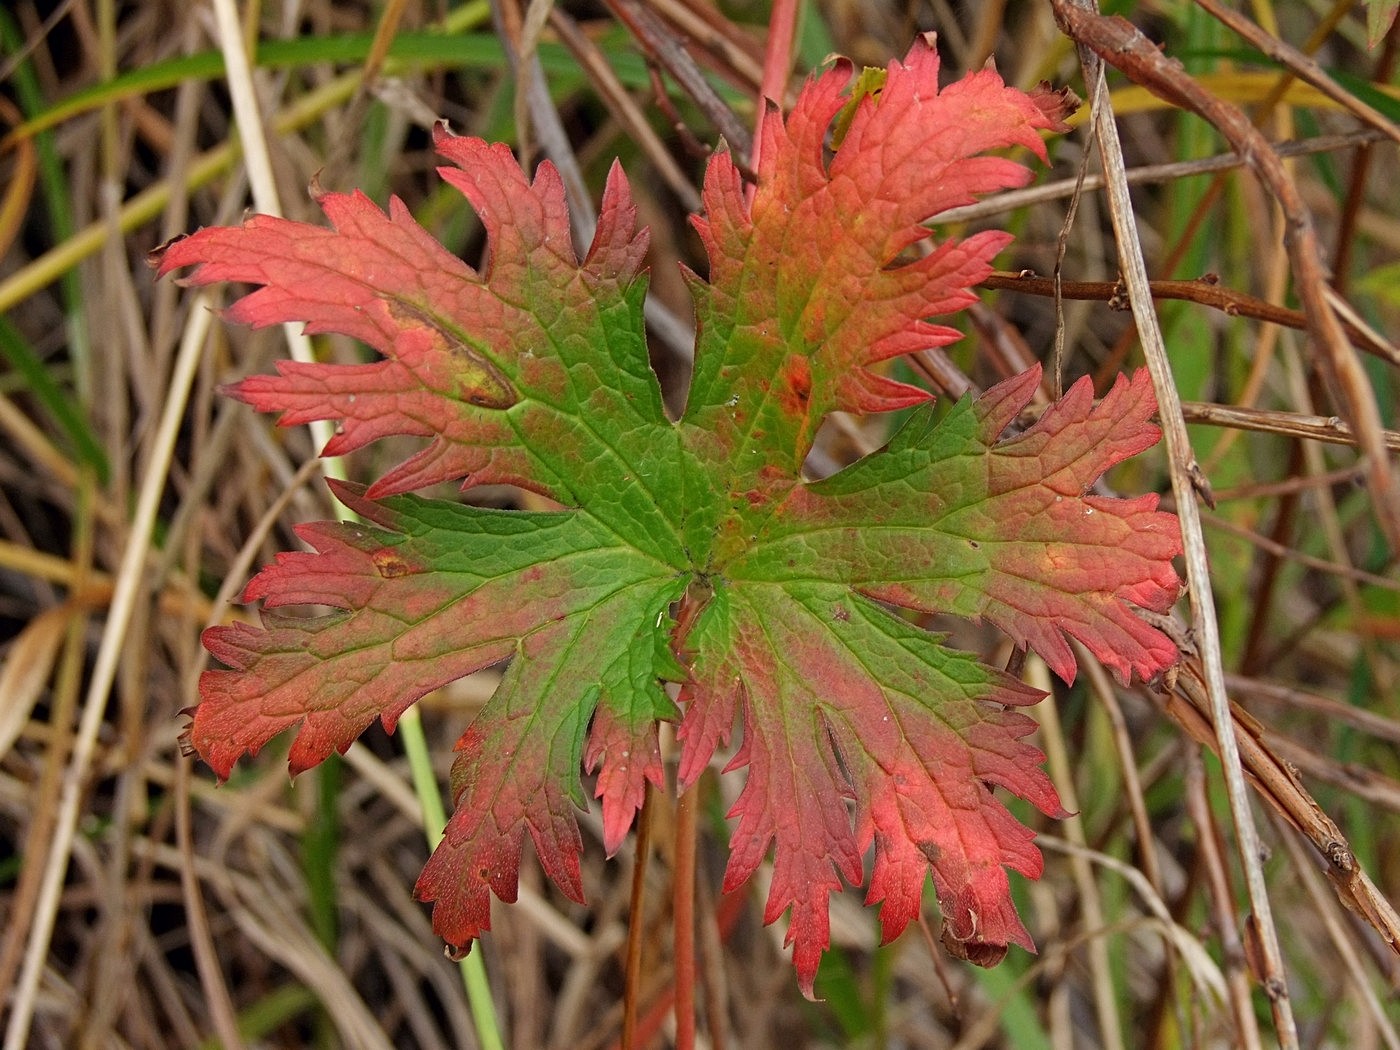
424	593
861	732
1002	530
803	297
839	699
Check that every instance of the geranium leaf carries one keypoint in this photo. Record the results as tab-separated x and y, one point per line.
694	552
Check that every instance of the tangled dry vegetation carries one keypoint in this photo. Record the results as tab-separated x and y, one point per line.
144	907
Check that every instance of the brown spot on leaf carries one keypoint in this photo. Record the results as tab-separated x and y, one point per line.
156	255
479	382
1058	104
390	563
797	385
976	952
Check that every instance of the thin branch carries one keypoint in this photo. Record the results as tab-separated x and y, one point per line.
1287	553
636	925
1344	944
1277	782
1329	429
687	828
1204	291
1150	174
595	64
660	45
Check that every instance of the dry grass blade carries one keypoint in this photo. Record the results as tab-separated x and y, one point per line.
26	668
1060	769
129	583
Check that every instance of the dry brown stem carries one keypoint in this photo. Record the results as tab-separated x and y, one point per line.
1276	781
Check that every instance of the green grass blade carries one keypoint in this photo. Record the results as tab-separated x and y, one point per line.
61	408
418	51
434	820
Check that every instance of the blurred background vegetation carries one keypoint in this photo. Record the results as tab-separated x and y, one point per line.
144	908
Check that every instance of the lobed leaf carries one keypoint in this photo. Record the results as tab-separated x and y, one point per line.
840	699
427	594
693	552
948	519
517	766
805	291
532	372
